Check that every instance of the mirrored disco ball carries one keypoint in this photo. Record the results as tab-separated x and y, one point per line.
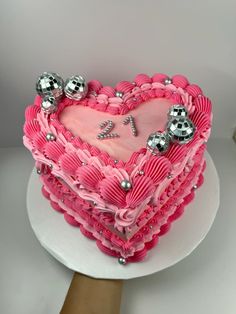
76	87
49	104
50	84
177	111
180	130
158	143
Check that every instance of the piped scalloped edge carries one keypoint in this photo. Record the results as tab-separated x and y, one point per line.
138	255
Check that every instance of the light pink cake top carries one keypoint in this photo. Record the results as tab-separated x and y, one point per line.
149	117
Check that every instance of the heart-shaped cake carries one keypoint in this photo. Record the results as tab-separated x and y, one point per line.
120	163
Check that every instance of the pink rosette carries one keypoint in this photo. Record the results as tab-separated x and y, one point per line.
203	104
141	79
107	90
142	188
69	163
193	90
31	112
157	168
31	128
124	217
111	192
176	153
164	229
53	150
180	81
89	177
124	87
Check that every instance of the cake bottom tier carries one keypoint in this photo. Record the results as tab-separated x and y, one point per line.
81	214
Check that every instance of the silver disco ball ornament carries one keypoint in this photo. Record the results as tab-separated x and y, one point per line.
50	84
76	87
177	111
49	104
180	130
158	143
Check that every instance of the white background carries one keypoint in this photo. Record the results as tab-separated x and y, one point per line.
112	41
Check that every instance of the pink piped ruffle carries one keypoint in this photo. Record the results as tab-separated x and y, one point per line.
141	79
31	112
194	90
53	150
31	128
89	177
159	77
111	192
124	87
108	91
180	81
157	168
69	163
94	86
203	104
141	190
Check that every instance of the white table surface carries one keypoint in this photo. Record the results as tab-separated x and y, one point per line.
31	281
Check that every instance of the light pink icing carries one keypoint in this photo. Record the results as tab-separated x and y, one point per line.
149	117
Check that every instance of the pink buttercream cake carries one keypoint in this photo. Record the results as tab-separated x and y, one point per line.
82	174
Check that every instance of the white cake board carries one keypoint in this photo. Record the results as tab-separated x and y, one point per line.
75	251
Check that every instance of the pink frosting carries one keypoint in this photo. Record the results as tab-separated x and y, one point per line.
89	192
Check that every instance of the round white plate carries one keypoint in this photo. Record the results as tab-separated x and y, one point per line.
75	251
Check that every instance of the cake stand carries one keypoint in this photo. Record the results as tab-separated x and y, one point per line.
75	251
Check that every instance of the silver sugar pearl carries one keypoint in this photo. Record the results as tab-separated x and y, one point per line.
158	143
49	104
50	137
177	111
141	172
180	130
150	227
167	81
195	187
116	161
169	176
76	87
38	171
119	94
50	84
126	185
121	260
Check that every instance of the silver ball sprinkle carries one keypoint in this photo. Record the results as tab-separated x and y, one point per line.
38	171
167	81
49	104
169	176
158	143
195	187
121	260
126	185
76	87
177	111
141	172
119	94
180	130
50	84
50	137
